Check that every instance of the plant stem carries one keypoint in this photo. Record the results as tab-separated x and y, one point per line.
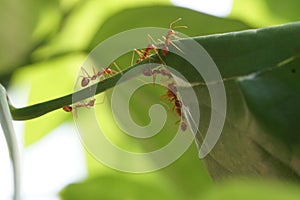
39	109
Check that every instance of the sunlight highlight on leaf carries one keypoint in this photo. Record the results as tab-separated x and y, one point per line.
47	80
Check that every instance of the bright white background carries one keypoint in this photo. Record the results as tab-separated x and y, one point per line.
58	159
214	7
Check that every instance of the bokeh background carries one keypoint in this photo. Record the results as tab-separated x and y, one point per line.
42	46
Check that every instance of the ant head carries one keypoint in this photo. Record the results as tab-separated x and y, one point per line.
92	102
171	32
147	72
67	108
85	81
183	126
108	71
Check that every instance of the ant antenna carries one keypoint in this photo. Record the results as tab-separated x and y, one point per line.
175	21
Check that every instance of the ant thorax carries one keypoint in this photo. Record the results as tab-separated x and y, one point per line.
151	47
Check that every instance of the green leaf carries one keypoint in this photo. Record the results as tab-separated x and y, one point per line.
260	13
253	189
261	133
27	29
81	24
186	174
15	35
120	186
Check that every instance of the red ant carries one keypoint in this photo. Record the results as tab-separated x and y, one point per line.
67	108
144	54
106	71
172	97
70	108
167	38
163	72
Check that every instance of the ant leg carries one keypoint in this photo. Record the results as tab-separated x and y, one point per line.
74	110
94	70
176	47
170	41
140	54
132	58
118	68
84	72
159	57
161	42
155	50
150	38
176	37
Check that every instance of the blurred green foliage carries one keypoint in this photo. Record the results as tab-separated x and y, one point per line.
260	13
226	190
43	43
253	189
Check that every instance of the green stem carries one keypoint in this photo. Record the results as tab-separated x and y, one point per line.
37	110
